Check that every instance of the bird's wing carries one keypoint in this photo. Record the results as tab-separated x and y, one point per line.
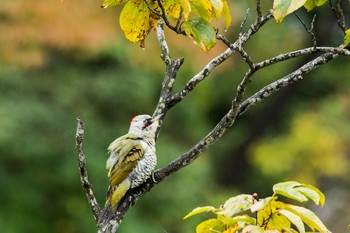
128	154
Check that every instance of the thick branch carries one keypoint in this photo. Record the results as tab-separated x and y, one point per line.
83	172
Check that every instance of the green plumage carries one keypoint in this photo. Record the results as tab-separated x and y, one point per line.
131	162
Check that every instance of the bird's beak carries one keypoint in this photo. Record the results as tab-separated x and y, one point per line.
156	118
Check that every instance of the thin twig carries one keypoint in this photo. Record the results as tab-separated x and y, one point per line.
179	20
309	30
258	9
254	28
84	179
175	28
285	81
152	10
246	57
243	22
223	39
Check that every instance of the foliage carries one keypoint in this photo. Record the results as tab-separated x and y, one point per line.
138	17
282	8
270	215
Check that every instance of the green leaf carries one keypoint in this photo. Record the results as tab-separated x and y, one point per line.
311	4
210	226
281	8
347	37
108	3
295	219
199	210
299	192
309	217
236	205
203	33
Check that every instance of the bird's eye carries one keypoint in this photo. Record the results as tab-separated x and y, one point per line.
147	122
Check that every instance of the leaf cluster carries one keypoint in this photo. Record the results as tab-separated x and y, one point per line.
189	17
192	17
271	215
282	8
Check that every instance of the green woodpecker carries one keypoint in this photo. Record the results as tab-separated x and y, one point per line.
131	162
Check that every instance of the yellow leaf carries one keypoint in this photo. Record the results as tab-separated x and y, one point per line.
311	4
174	7
136	20
211	225
199	210
281	8
278	222
217	6
299	192
236	205
253	229
308	217
295	219
347	37
227	14
202	8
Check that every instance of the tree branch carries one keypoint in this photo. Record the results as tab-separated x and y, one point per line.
297	53
84	179
285	81
172	67
339	14
309	31
193	82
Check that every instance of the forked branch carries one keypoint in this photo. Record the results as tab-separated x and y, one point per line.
168	99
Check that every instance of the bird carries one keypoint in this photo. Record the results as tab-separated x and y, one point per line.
132	160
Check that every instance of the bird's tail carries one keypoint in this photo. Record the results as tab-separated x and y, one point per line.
114	195
106	214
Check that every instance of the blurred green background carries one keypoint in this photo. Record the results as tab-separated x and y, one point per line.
61	59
